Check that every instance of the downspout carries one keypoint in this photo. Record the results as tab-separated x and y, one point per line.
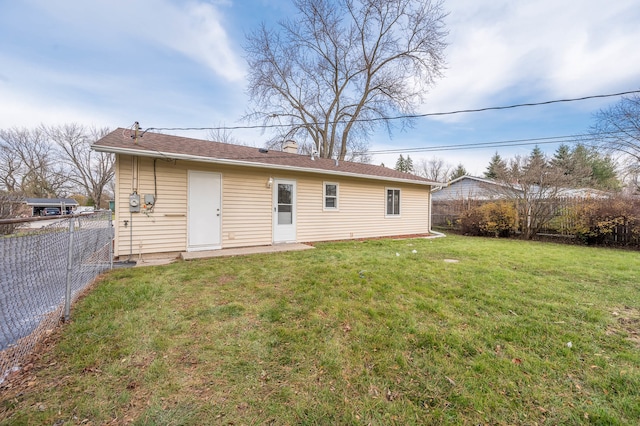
431	231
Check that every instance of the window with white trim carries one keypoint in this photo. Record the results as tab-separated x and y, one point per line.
393	202
330	196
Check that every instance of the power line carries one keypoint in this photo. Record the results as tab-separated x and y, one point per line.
556	101
482	146
474	145
568	139
400	117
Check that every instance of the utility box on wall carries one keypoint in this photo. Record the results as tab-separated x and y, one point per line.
149	200
134	203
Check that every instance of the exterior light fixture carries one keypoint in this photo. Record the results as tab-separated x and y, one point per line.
270	182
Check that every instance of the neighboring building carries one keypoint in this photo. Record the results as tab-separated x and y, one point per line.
45	206
177	194
468	188
467	192
461	194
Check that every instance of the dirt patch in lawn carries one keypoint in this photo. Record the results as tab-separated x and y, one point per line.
627	322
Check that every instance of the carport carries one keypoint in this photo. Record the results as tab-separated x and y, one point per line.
38	205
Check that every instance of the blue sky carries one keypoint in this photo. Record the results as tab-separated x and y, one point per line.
170	63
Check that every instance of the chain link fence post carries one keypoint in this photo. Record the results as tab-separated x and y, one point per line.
112	233
67	298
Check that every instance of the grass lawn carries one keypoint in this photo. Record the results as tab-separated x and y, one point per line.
374	332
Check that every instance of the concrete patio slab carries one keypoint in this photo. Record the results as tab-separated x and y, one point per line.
166	258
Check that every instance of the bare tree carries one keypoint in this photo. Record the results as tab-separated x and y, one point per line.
221	134
534	185
435	169
342	67
87	169
11	206
617	129
11	166
358	151
34	170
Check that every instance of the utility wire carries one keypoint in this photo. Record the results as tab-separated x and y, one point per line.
400	117
568	139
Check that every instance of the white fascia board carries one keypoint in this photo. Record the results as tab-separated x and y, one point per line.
196	158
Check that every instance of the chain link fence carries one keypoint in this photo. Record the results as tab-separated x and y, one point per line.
42	271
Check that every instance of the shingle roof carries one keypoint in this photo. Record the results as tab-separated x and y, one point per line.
179	147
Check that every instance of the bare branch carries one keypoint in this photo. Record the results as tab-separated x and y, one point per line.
89	170
342	63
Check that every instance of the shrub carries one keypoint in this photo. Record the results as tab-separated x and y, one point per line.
470	221
496	219
499	219
595	221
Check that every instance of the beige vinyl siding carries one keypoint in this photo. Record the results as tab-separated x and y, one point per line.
163	229
247	207
361	212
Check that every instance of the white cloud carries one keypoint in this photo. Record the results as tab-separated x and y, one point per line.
537	50
193	28
197	32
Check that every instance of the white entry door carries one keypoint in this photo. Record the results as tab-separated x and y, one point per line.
284	211
204	210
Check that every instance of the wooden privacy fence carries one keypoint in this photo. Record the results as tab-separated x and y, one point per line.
602	221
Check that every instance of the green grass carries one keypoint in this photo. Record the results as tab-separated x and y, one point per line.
351	333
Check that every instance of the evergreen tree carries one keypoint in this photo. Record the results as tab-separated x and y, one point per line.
497	167
562	159
604	175
586	167
459	171
601	168
408	165
537	157
536	163
405	164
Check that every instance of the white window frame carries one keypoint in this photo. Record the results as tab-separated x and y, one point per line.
386	195
324	196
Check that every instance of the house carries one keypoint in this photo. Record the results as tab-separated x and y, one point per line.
472	188
39	206
468	188
467	192
176	194
461	194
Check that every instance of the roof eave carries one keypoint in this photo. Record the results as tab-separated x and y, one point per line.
201	159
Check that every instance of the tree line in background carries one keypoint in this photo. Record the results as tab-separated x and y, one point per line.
534	184
55	162
577	167
537	194
434	169
609	160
